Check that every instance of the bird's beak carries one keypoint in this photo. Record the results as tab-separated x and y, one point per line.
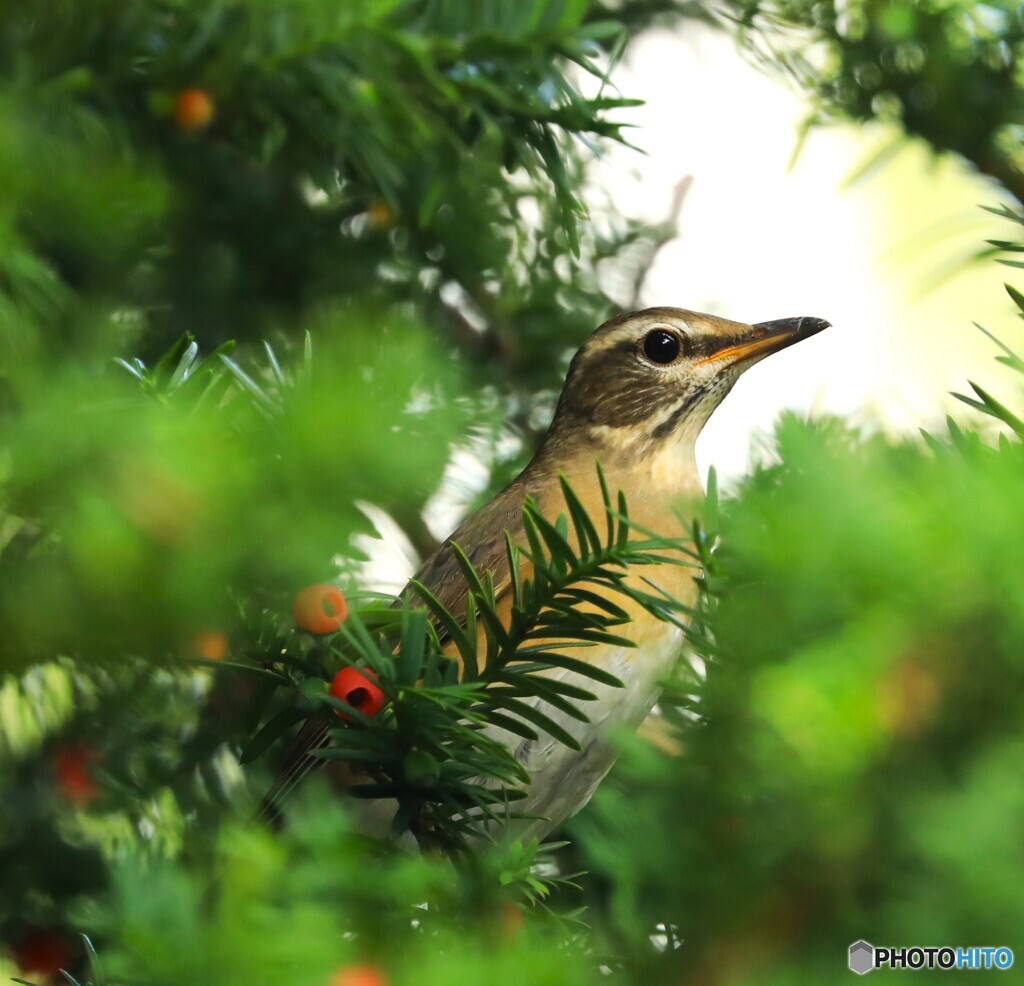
764	338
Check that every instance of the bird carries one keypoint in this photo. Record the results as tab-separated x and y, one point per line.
636	396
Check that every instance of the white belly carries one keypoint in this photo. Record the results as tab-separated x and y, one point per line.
563	780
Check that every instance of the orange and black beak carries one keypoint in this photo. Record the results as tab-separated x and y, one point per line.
764	338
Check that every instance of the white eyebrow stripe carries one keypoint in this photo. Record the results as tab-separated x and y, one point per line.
629	332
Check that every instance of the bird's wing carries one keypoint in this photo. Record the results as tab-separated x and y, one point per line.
481	537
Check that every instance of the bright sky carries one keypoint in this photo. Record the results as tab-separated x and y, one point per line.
760	240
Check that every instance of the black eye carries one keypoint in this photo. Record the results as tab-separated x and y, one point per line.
661	346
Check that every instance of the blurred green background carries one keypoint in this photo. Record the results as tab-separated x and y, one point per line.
262	263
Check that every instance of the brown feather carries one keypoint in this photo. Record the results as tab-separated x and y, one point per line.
639	417
482	537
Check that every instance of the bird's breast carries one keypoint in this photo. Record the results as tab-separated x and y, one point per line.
562	779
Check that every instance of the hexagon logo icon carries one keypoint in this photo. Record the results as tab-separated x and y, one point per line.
862	957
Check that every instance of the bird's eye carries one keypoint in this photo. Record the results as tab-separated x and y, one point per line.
661	347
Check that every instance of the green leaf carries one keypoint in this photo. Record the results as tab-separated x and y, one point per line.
454	629
469	573
471	658
622	537
94	961
536	553
999	410
545	689
556	544
249	385
512	724
137	371
409	659
579	633
275	366
173	356
531	680
577	594
272	729
355	632
1017	296
534	716
586	532
512	554
258	702
184	367
556	660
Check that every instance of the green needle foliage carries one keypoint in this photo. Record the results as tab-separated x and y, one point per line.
384	148
429	750
383	210
947	71
851	768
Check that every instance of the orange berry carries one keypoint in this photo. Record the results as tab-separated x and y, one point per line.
193	110
320	608
358	975
512	919
357	687
213	645
380	215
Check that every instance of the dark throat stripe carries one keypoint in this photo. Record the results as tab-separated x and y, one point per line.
669	424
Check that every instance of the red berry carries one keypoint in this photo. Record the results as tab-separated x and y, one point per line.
73	767
380	215
358	975
42	952
320	608
357	687
193	110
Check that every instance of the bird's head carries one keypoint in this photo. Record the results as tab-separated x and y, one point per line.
649	380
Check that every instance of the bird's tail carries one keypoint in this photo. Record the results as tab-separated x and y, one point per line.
297	764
